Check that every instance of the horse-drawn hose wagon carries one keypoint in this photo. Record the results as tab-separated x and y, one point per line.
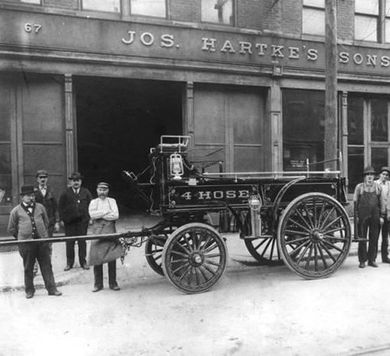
296	217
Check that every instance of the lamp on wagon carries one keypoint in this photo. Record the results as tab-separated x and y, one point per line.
176	165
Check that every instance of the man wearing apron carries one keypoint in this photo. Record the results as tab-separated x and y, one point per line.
367	212
104	212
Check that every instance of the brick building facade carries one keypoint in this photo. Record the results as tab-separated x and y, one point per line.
91	85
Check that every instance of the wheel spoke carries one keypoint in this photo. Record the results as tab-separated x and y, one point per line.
297	240
315	258
294	222
272	249
260	244
266	247
295	232
308	214
329	212
210	270
303	253
332	246
182	247
201	270
213	255
298	249
340	239
180	267
174	252
185	272
210	248
327	251
322	256
341	228
331	223
211	262
309	256
189	246
320	215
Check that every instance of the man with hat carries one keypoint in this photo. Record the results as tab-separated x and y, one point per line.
367	216
104	212
383	182
73	209
44	195
27	221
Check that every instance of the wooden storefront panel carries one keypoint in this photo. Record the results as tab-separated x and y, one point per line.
229	125
43	129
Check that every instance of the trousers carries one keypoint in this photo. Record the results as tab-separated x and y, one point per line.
41	252
76	229
98	274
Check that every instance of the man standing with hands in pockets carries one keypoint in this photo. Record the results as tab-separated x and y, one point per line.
104	212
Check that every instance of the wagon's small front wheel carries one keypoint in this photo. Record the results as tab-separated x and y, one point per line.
314	235
194	257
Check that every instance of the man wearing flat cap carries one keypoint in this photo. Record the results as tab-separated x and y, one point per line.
104	212
367	207
73	209
383	182
29	221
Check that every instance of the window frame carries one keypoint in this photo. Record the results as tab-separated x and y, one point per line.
234	16
315	8
119	12
152	16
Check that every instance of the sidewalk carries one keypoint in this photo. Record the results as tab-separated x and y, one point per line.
11	267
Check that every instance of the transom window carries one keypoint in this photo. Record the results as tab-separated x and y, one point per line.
102	5
313	17
156	8
218	11
372	20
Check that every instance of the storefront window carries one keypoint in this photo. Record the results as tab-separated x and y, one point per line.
5	144
102	5
303	129
355	167
379	130
155	8
355	121
218	11
379	157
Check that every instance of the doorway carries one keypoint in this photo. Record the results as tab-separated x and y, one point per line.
118	120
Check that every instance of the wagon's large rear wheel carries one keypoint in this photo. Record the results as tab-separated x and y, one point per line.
314	235
194	257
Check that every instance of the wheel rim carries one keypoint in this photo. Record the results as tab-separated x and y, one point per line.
263	249
194	258
153	252
314	235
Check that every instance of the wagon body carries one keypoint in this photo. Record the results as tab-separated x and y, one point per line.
299	220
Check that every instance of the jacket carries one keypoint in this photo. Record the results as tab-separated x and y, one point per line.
74	208
19	224
49	202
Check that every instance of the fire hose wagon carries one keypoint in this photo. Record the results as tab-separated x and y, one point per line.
295	218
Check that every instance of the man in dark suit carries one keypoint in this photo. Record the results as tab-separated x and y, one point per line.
44	195
73	209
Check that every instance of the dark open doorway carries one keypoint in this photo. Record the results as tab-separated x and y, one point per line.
118	120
